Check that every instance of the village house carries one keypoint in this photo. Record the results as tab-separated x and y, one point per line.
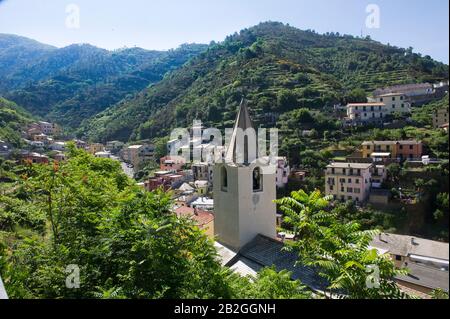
395	102
33	157
409	90
373	112
203	219
59	156
202	187
138	154
114	146
46	127
399	150
426	260
165	179
80	144
41	138
440	117
103	154
95	148
172	163
202	172
58	146
348	181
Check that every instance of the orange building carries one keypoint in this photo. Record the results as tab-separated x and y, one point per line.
409	149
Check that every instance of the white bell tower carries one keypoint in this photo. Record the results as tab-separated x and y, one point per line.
243	193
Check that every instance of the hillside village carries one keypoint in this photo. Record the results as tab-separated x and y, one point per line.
365	177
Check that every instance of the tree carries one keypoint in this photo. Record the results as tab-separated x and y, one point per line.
356	96
340	251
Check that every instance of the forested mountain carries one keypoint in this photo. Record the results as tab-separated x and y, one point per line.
277	67
73	83
16	54
12	120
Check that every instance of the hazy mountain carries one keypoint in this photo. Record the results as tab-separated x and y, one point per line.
73	83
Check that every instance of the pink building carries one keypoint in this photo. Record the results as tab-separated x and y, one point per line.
348	181
172	163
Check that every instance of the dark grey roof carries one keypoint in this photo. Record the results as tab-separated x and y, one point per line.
426	276
266	252
404	245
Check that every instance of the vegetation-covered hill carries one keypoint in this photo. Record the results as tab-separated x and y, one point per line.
73	83
277	67
12	120
16	54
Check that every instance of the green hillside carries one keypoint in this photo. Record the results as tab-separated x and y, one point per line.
12	120
73	83
278	68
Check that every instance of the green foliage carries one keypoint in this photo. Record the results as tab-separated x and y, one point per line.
339	250
269	284
126	242
356	96
12	120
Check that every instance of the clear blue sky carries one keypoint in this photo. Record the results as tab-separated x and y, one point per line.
164	24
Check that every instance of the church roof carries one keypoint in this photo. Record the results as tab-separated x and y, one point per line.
266	252
243	122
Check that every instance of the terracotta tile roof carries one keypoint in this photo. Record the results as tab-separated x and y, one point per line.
200	217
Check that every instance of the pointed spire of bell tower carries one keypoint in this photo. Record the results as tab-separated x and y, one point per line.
243	122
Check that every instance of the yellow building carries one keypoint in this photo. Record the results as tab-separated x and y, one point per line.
95	148
370	147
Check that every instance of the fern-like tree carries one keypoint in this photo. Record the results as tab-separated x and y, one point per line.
339	251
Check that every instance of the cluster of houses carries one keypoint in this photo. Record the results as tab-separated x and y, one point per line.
386	104
360	177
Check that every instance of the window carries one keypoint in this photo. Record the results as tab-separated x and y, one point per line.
357	181
257	180
349	190
401	97
349	180
393	98
224	178
331	187
342	180
411	147
403	105
393	106
381	99
368	147
357	190
398	257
